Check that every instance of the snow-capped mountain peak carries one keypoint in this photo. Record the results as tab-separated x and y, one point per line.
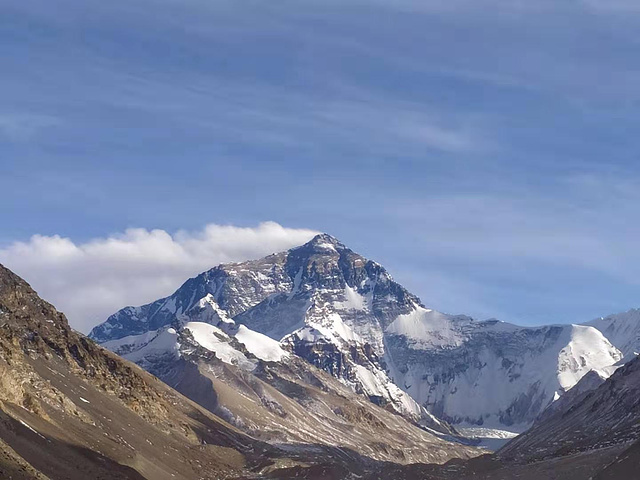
622	330
346	315
322	244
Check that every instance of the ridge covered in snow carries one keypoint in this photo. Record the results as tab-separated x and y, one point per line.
601	414
622	330
346	315
209	327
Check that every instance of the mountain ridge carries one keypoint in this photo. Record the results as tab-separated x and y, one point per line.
255	384
74	410
71	409
346	315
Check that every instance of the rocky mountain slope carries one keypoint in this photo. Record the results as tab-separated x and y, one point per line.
322	301
70	409
605	417
592	433
345	315
255	384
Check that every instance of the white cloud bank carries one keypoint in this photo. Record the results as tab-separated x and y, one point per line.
89	281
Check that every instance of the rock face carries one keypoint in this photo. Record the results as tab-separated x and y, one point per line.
252	382
321	301
591	433
607	417
70	409
589	382
345	315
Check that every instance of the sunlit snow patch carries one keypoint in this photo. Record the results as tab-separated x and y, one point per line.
260	345
427	327
215	340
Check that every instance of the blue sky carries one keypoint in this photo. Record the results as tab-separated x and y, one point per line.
486	151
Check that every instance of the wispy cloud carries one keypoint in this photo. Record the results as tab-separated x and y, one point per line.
612	6
22	127
585	222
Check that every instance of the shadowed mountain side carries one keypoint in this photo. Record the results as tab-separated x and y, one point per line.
593	434
607	416
486	467
575	467
15	467
56	458
624	466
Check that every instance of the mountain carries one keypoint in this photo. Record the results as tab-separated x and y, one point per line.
589	382
491	373
603	422
345	314
591	433
322	301
70	409
622	330
596	418
251	381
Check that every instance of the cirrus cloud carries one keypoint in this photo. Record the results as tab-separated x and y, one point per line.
89	281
